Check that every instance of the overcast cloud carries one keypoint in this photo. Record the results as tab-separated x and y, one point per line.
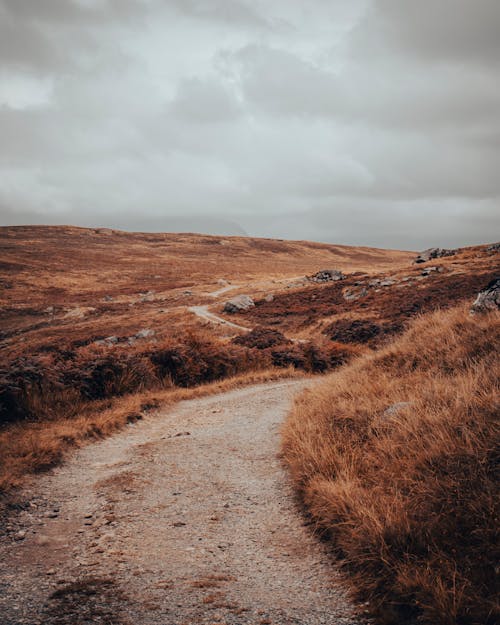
370	122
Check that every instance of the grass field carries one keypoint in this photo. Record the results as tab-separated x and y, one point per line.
396	460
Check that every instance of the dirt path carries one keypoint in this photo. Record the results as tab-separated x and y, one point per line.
184	518
203	313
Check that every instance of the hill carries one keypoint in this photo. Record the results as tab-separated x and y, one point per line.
91	317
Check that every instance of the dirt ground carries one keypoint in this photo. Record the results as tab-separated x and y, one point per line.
184	518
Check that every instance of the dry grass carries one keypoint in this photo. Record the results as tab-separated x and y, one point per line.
35	446
384	310
409	496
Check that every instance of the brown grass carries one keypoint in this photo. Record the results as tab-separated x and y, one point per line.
409	496
383	310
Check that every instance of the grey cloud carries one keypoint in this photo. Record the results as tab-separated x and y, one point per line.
353	122
204	101
73	11
49	35
280	83
448	30
235	12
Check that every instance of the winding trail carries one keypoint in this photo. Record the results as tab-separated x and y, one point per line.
184	518
203	313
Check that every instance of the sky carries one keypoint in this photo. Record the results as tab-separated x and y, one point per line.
363	122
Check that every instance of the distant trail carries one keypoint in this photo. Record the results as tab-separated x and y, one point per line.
204	313
224	289
186	517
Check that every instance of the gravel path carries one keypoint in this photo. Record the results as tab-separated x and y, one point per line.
206	315
184	518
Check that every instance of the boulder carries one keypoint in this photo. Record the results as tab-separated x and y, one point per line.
394	409
147	297
238	304
428	270
488	299
350	295
327	275
433	252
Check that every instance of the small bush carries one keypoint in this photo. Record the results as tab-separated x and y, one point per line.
361	331
262	338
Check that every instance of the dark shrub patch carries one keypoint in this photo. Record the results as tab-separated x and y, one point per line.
360	330
262	338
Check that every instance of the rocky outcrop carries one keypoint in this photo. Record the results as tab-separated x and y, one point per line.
428	270
327	275
238	304
488	299
433	252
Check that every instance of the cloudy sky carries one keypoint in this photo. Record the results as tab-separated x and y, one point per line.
352	121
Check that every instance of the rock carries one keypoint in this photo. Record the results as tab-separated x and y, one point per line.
269	297
147	297
387	282
239	303
327	275
222	282
488	299
433	252
395	408
187	292
144	334
111	339
49	310
42	540
351	296
428	270
107	298
494	247
79	313
21	535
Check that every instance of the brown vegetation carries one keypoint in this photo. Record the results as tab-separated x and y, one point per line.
89	316
396	459
330	308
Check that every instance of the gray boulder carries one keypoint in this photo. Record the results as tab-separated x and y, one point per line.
144	334
488	299
396	408
433	252
327	275
428	270
239	303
